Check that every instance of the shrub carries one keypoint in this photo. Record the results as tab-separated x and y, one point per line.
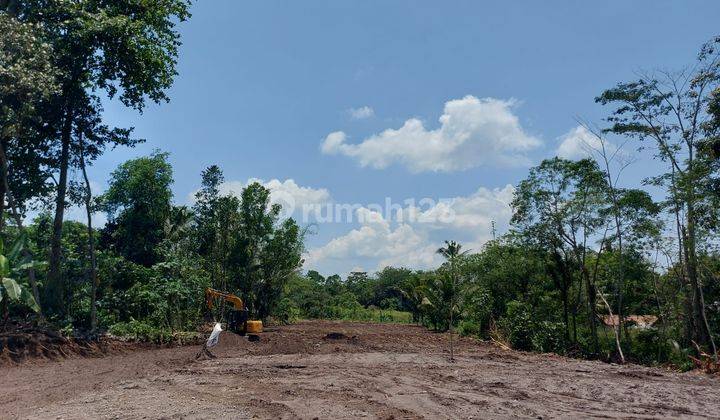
518	325
549	336
286	312
141	331
648	347
468	328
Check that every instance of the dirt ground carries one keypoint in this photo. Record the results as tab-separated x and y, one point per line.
367	370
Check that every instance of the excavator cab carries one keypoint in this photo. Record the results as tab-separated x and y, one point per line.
238	321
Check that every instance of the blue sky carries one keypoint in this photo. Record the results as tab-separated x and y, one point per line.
263	84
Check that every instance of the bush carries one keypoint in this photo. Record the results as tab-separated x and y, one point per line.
549	337
141	331
477	312
518	325
649	347
286	312
468	328
679	357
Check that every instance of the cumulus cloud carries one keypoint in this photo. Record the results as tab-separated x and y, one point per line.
473	132
476	211
410	236
580	143
361	113
286	193
375	241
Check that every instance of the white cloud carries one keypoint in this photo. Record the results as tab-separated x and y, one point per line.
361	113
287	193
475	212
414	233
473	132
580	143
376	243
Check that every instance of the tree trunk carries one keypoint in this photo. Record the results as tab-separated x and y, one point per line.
566	315
452	301
3	182
592	315
616	328
55	289
620	283
91	243
699	332
682	276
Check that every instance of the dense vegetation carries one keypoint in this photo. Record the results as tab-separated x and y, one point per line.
582	248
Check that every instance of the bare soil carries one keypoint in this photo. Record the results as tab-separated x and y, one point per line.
324	369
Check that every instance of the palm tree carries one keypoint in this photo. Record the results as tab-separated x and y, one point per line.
412	289
452	252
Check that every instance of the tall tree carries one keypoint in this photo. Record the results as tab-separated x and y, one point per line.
28	80
558	207
138	203
674	111
266	251
126	48
216	225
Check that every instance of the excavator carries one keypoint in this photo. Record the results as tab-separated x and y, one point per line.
238	319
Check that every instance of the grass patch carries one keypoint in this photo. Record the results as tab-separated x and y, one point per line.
370	315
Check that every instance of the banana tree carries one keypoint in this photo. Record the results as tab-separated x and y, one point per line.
11	290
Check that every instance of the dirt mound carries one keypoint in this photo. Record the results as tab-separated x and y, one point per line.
20	347
27	344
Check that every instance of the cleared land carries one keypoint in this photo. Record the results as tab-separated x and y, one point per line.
375	370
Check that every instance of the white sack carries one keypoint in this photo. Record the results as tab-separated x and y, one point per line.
214	335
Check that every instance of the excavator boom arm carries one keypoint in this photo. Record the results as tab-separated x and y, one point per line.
212	294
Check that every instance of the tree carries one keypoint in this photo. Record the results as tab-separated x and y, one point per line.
127	49
452	252
28	80
675	112
266	253
217	224
412	291
506	270
279	261
558	208
138	203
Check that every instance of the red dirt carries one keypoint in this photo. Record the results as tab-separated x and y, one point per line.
377	370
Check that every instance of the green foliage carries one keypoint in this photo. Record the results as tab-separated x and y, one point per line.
575	235
468	328
518	325
549	337
649	346
477	311
525	332
141	331
244	245
138	202
316	297
14	292
11	291
286	312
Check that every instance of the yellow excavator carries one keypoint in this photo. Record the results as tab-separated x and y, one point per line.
238	321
